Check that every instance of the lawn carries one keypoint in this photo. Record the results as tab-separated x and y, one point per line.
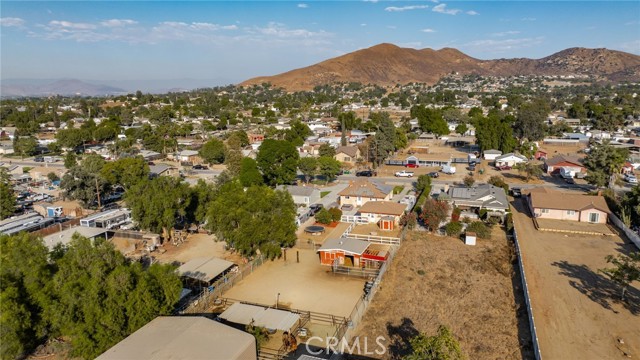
324	193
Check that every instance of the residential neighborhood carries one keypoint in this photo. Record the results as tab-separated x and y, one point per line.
251	222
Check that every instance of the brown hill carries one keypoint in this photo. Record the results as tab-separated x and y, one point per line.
387	64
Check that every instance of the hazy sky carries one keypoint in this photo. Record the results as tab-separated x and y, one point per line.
237	40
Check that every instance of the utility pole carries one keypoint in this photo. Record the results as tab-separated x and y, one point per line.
98	191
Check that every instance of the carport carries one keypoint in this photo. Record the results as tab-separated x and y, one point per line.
268	318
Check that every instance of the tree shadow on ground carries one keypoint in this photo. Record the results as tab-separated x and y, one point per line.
399	337
598	287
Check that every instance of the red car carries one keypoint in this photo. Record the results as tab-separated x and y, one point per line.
411	165
504	167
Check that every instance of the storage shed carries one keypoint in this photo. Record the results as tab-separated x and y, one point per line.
470	238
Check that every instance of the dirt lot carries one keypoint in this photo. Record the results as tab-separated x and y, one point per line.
439	280
306	285
197	245
576	311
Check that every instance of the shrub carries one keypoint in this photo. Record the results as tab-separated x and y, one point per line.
509	222
453	228
481	230
498	181
336	214
324	217
482	213
409	220
468	181
455	215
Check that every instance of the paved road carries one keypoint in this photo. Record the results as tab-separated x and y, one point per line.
31	163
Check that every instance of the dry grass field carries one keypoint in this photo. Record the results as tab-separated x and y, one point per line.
439	280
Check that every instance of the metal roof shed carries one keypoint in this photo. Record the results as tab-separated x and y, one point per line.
184	337
204	269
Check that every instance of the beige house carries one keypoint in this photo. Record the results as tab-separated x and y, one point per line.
360	191
549	204
347	154
374	211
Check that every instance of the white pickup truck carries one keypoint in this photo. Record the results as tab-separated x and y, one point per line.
404	173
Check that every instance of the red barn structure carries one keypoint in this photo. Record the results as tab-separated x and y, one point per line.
352	253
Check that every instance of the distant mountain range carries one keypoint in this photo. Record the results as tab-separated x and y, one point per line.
72	87
388	64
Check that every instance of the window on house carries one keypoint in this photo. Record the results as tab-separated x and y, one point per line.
346	197
571	212
544	211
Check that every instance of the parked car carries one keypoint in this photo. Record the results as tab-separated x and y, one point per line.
412	165
38	159
404	173
366	173
631	179
199	167
433	174
347	207
516	192
503	167
315	208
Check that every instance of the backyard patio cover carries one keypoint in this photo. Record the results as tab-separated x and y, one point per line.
264	317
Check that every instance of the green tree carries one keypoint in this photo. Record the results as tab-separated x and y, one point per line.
498	181
100	297
328	167
530	170
25	275
336	214
423	183
83	182
278	161
383	143
603	163
70	160
213	151
626	270
25	146
308	166
530	123
256	219
326	150
469	181
249	173
442	346
201	196
401	140
453	228
238	140
324	217
126	172
158	204
462	129
481	230
7	197
297	133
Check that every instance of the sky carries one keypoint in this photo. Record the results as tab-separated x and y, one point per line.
237	40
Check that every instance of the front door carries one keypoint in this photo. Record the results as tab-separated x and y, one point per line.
359	201
594	217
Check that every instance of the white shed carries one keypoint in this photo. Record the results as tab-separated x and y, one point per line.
470	238
491	154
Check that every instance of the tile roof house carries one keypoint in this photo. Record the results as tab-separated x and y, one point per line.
550	204
360	191
573	163
347	154
483	196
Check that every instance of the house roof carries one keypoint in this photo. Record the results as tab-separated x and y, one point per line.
509	155
383	207
65	236
562	201
484	195
564	158
158	168
349	150
493	151
188	153
182	337
366	188
204	269
346	245
297	190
